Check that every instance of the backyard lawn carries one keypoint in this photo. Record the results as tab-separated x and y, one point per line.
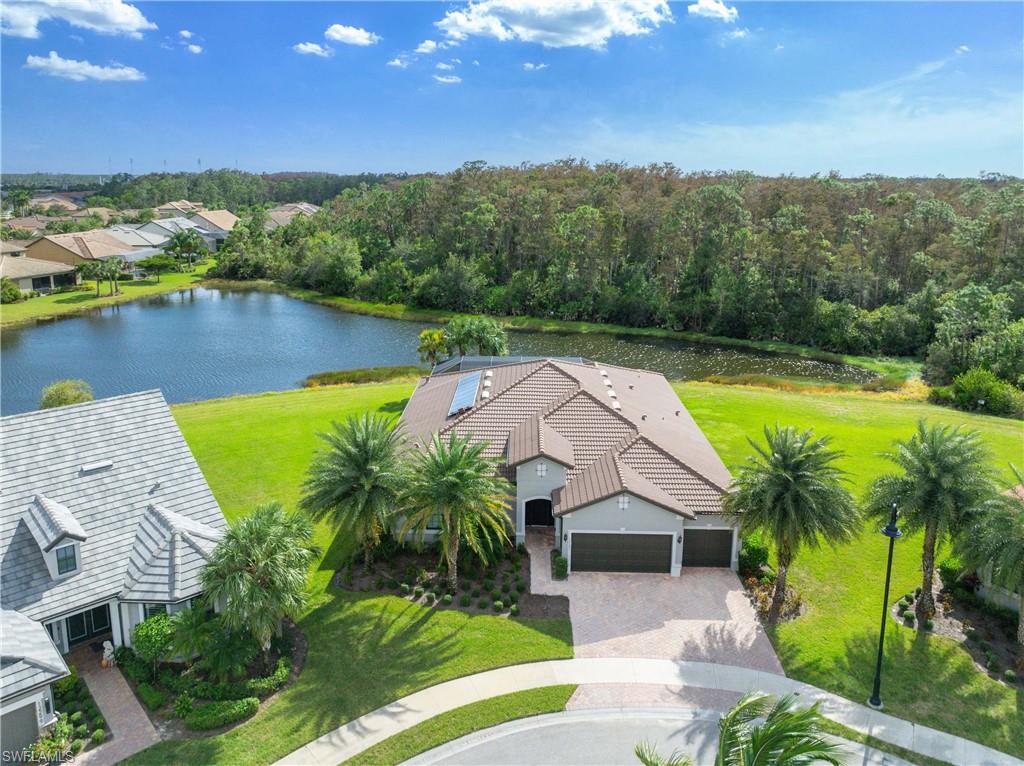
364	650
926	678
58	304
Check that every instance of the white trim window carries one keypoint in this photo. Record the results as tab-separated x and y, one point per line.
542	469
623	502
151	610
67	560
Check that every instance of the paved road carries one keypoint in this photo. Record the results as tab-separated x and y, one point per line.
602	738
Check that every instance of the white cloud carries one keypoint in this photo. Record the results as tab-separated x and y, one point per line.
109	17
734	35
476	63
350	35
568	23
447	79
399	61
962	49
713	9
186	34
531	67
193	48
443	66
427	46
69	69
313	49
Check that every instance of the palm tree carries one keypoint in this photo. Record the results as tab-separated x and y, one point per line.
184	244
792	492
995	542
432	346
111	270
489	336
257	572
789	736
458	335
946	479
355	482
191	633
455	487
91	270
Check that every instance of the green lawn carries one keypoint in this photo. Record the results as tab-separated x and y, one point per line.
364	651
462	721
58	304
926	678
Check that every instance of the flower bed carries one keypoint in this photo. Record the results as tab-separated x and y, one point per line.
80	725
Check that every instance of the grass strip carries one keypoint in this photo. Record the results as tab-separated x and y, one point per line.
838	730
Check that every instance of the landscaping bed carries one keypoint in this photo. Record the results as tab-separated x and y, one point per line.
500	587
80	725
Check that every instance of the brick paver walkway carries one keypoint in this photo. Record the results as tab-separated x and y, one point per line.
131	728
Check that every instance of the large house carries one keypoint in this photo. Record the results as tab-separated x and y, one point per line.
34	275
105	520
168	227
74	248
48	201
181	207
218	223
606	456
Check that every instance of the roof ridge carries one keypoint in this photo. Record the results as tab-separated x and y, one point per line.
618	469
675	459
64	410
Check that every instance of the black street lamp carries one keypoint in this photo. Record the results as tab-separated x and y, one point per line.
893	533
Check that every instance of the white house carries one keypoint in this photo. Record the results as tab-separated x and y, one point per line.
605	456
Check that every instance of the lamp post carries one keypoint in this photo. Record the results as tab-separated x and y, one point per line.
893	533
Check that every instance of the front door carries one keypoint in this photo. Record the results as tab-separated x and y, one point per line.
538	513
88	624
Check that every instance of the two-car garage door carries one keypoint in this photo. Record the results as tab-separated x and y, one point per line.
621	553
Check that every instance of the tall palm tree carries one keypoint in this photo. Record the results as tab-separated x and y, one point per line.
454	486
994	544
789	736
354	483
489	336
257	573
432	346
112	269
185	244
191	633
91	270
793	493
946	479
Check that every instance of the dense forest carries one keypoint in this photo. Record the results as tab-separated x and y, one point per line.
864	266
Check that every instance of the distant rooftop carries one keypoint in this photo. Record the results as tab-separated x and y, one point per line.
467	363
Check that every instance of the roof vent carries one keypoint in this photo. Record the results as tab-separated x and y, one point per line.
604	373
631	386
485	394
489	374
616	406
487	384
609	383
612	394
677	413
99	465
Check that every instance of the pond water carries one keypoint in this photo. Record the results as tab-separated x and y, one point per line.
204	343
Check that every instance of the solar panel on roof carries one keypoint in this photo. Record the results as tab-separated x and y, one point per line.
465	393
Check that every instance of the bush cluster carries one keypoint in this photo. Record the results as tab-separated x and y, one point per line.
216	714
753	555
151	698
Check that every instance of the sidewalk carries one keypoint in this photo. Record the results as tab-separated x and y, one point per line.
128	722
346	741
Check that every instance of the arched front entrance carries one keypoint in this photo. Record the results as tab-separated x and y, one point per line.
538	513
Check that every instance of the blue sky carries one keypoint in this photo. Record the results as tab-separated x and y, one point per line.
898	88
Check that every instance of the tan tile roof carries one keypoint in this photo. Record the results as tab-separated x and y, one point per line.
641	440
13	246
90	244
23	267
222	219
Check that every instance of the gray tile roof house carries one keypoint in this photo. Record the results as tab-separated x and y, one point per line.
608	456
104	516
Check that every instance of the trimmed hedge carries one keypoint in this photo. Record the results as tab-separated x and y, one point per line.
152	698
208	690
213	715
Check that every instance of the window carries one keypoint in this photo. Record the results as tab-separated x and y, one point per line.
149	610
66	560
542	469
434	522
623	502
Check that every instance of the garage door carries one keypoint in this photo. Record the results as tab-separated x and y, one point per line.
19	728
621	553
707	547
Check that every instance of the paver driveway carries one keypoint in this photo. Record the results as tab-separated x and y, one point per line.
702	615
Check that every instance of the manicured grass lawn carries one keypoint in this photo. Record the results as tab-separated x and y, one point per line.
926	678
58	304
462	721
364	651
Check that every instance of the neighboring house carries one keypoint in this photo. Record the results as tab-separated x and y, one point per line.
1007	599
13	246
29	664
104	213
181	207
168	227
607	456
34	224
77	247
282	215
130	234
217	222
51	200
32	274
105	518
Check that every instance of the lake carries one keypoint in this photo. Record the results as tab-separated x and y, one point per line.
205	343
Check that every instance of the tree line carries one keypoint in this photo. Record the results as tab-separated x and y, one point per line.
859	266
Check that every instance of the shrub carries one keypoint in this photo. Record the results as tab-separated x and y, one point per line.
985	646
495	594
184	705
561	567
917	591
513	597
927	624
81	730
521	586
908	617
98	722
992	663
123	653
476	593
417	591
150	697
980	389
972	634
137	669
98	736
466	584
506	587
65	686
76	718
465	600
753	555
404	588
77	746
482	603
521	549
513	610
431	597
949	572
498	606
380	584
152	639
1010	676
216	714
446	599
65	392
489	584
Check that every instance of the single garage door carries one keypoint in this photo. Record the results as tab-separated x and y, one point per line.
19	729
707	547
621	553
